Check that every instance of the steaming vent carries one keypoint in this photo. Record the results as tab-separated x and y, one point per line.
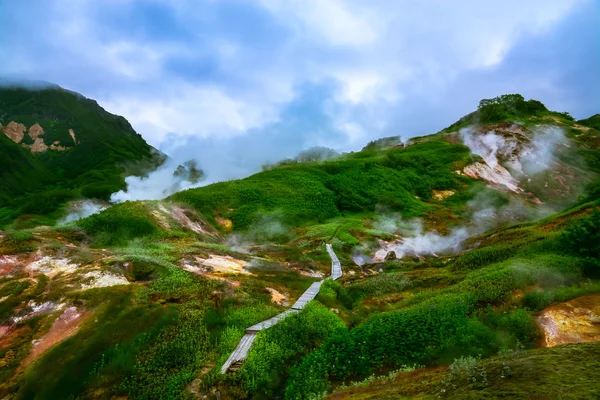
511	155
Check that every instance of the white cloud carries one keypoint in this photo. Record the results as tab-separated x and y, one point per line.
198	110
380	55
329	20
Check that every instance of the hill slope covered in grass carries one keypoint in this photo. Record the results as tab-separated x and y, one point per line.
457	262
56	145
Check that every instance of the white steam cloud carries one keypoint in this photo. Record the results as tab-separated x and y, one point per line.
543	147
169	178
516	150
524	154
82	209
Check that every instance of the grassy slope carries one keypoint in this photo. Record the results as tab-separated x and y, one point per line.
94	167
306	194
592	122
564	372
303	195
172	328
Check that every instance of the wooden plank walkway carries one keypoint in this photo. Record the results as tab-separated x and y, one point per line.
239	354
307	296
235	360
270	322
336	267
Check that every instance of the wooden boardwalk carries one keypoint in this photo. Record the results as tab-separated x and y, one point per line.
307	296
270	322
235	360
336	267
240	353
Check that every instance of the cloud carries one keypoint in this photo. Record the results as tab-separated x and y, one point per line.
203	70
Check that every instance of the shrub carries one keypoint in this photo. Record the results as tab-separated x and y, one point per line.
293	336
422	334
582	238
379	285
18	242
120	223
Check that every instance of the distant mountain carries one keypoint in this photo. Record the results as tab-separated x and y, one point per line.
57	145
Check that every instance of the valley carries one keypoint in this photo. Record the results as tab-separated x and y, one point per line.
470	266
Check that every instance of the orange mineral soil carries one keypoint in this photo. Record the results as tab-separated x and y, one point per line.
574	321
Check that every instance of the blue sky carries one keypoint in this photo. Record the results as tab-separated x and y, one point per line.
223	78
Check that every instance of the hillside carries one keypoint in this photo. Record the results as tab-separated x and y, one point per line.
56	145
470	266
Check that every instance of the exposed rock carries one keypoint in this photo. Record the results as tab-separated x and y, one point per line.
574	321
201	270
36	132
390	256
442	194
224	264
497	175
99	279
72	133
14	131
57	147
7	264
179	214
277	297
224	222
161	219
63	327
37	309
51	266
311	273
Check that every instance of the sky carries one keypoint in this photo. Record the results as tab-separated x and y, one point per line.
236	83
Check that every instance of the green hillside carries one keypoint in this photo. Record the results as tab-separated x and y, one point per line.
453	273
84	151
591	122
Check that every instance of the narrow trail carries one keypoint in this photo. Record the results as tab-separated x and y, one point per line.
235	360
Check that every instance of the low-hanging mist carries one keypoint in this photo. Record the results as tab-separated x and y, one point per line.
220	160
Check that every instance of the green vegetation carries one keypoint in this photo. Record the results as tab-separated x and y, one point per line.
458	326
592	122
106	149
478	315
275	349
311	193
121	223
508	107
563	372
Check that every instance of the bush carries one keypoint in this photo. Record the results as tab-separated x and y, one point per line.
120	223
165	368
276	347
582	238
422	334
18	242
379	285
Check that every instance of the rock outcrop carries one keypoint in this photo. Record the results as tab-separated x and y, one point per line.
574	321
16	132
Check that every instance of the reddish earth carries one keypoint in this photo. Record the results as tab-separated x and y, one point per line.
7	264
4	330
64	326
574	321
9	334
